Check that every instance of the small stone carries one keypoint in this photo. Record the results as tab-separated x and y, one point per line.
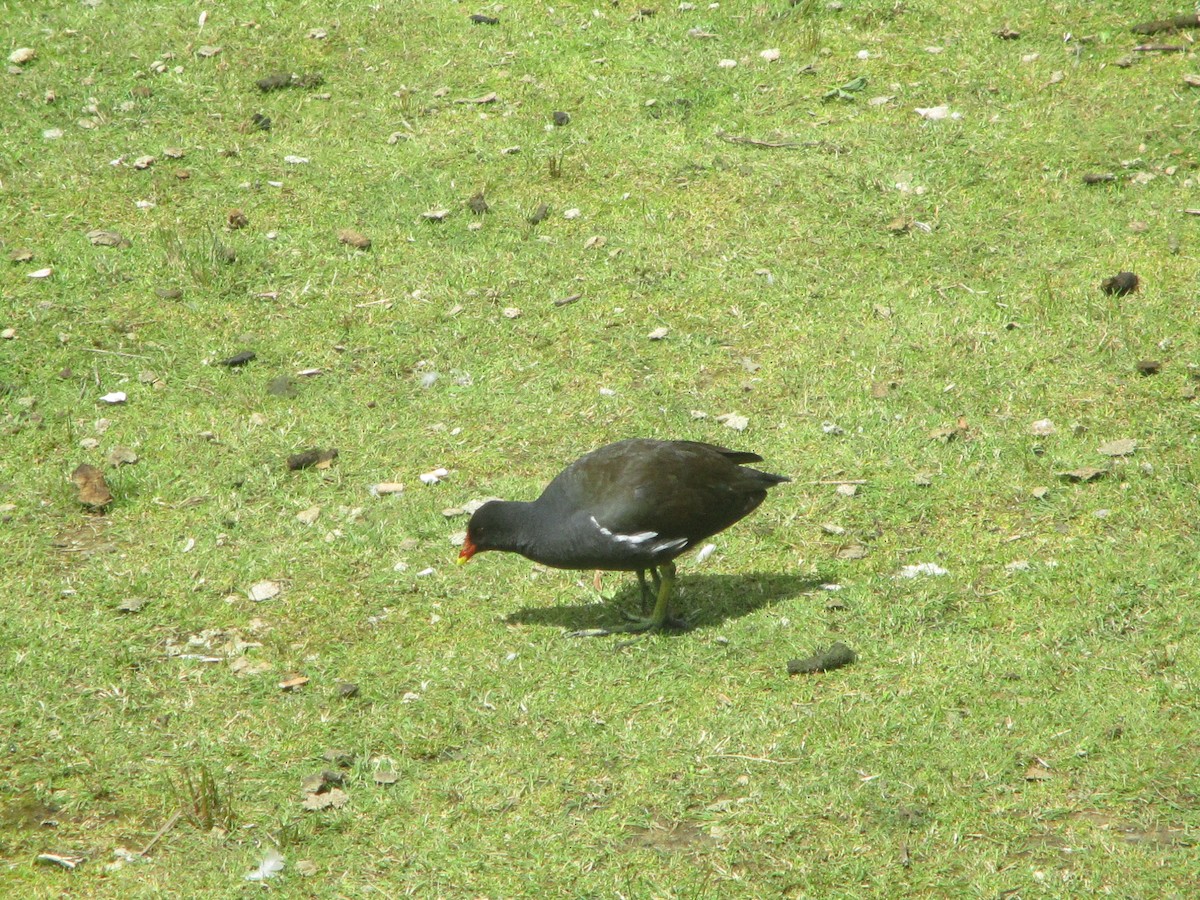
293	683
264	590
935	113
1083	475
93	491
931	569
1038	772
239	359
385	776
354	239
1120	284
321	459
122	456
1123	447
837	656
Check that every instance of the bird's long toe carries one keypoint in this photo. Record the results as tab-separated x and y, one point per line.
635	625
648	623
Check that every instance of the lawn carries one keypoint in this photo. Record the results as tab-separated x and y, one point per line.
869	240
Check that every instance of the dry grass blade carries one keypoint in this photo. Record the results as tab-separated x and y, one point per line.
201	800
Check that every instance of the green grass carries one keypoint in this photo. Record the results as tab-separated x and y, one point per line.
680	766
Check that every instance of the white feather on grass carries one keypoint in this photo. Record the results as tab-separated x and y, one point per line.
271	866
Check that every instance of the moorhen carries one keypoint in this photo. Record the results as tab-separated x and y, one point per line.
632	506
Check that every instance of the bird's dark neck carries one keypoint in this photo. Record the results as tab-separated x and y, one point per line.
538	530
512	527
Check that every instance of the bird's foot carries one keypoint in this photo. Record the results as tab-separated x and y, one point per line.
635	625
647	623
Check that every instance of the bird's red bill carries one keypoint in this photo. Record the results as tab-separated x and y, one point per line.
468	550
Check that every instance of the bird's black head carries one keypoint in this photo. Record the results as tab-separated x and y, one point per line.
485	530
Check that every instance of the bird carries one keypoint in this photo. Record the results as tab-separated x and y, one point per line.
631	506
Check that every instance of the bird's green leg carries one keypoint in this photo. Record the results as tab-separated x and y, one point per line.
648	595
660	618
662	608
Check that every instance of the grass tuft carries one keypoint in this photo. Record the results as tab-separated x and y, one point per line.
203	803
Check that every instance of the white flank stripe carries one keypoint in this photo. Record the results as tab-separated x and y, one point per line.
641	538
604	531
